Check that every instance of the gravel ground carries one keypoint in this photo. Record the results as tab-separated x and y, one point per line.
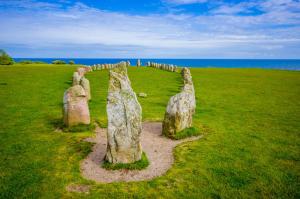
158	149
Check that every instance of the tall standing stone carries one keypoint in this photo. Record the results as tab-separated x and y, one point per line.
76	110
181	107
124	119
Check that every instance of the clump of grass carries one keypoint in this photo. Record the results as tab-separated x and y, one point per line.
101	123
80	147
79	128
138	165
188	132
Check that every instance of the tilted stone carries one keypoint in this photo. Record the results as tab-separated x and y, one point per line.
124	119
181	107
76	110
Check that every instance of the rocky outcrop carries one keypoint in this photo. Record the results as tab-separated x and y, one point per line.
124	119
181	107
85	83
76	110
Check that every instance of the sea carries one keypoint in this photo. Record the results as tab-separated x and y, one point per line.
284	64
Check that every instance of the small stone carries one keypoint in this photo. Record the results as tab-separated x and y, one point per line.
138	63
142	95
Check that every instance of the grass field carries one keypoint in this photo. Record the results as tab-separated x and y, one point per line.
250	117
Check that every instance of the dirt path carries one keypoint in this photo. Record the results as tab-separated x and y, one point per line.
158	149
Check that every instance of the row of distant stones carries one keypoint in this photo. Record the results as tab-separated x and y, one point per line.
124	112
167	67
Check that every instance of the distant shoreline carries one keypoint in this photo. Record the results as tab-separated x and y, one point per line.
285	64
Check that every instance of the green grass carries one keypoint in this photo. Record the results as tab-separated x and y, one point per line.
188	132
250	151
79	128
138	165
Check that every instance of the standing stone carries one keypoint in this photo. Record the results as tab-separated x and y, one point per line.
76	79
76	110
138	63
124	119
181	107
87	69
81	71
85	83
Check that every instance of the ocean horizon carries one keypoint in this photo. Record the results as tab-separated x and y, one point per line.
283	64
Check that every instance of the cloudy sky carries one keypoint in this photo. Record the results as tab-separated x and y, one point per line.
151	28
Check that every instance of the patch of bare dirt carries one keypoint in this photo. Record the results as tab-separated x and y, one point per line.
78	188
158	149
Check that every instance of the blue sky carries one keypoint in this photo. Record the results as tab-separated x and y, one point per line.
151	28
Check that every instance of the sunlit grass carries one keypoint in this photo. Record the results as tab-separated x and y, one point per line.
250	150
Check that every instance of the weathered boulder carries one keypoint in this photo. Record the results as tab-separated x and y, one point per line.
85	83
76	79
76	110
124	119
181	107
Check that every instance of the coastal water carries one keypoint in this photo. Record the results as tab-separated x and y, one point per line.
286	64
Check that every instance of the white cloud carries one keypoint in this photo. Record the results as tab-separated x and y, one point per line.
182	2
243	7
84	31
29	4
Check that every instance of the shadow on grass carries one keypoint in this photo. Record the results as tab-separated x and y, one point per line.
69	82
58	124
190	132
80	147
